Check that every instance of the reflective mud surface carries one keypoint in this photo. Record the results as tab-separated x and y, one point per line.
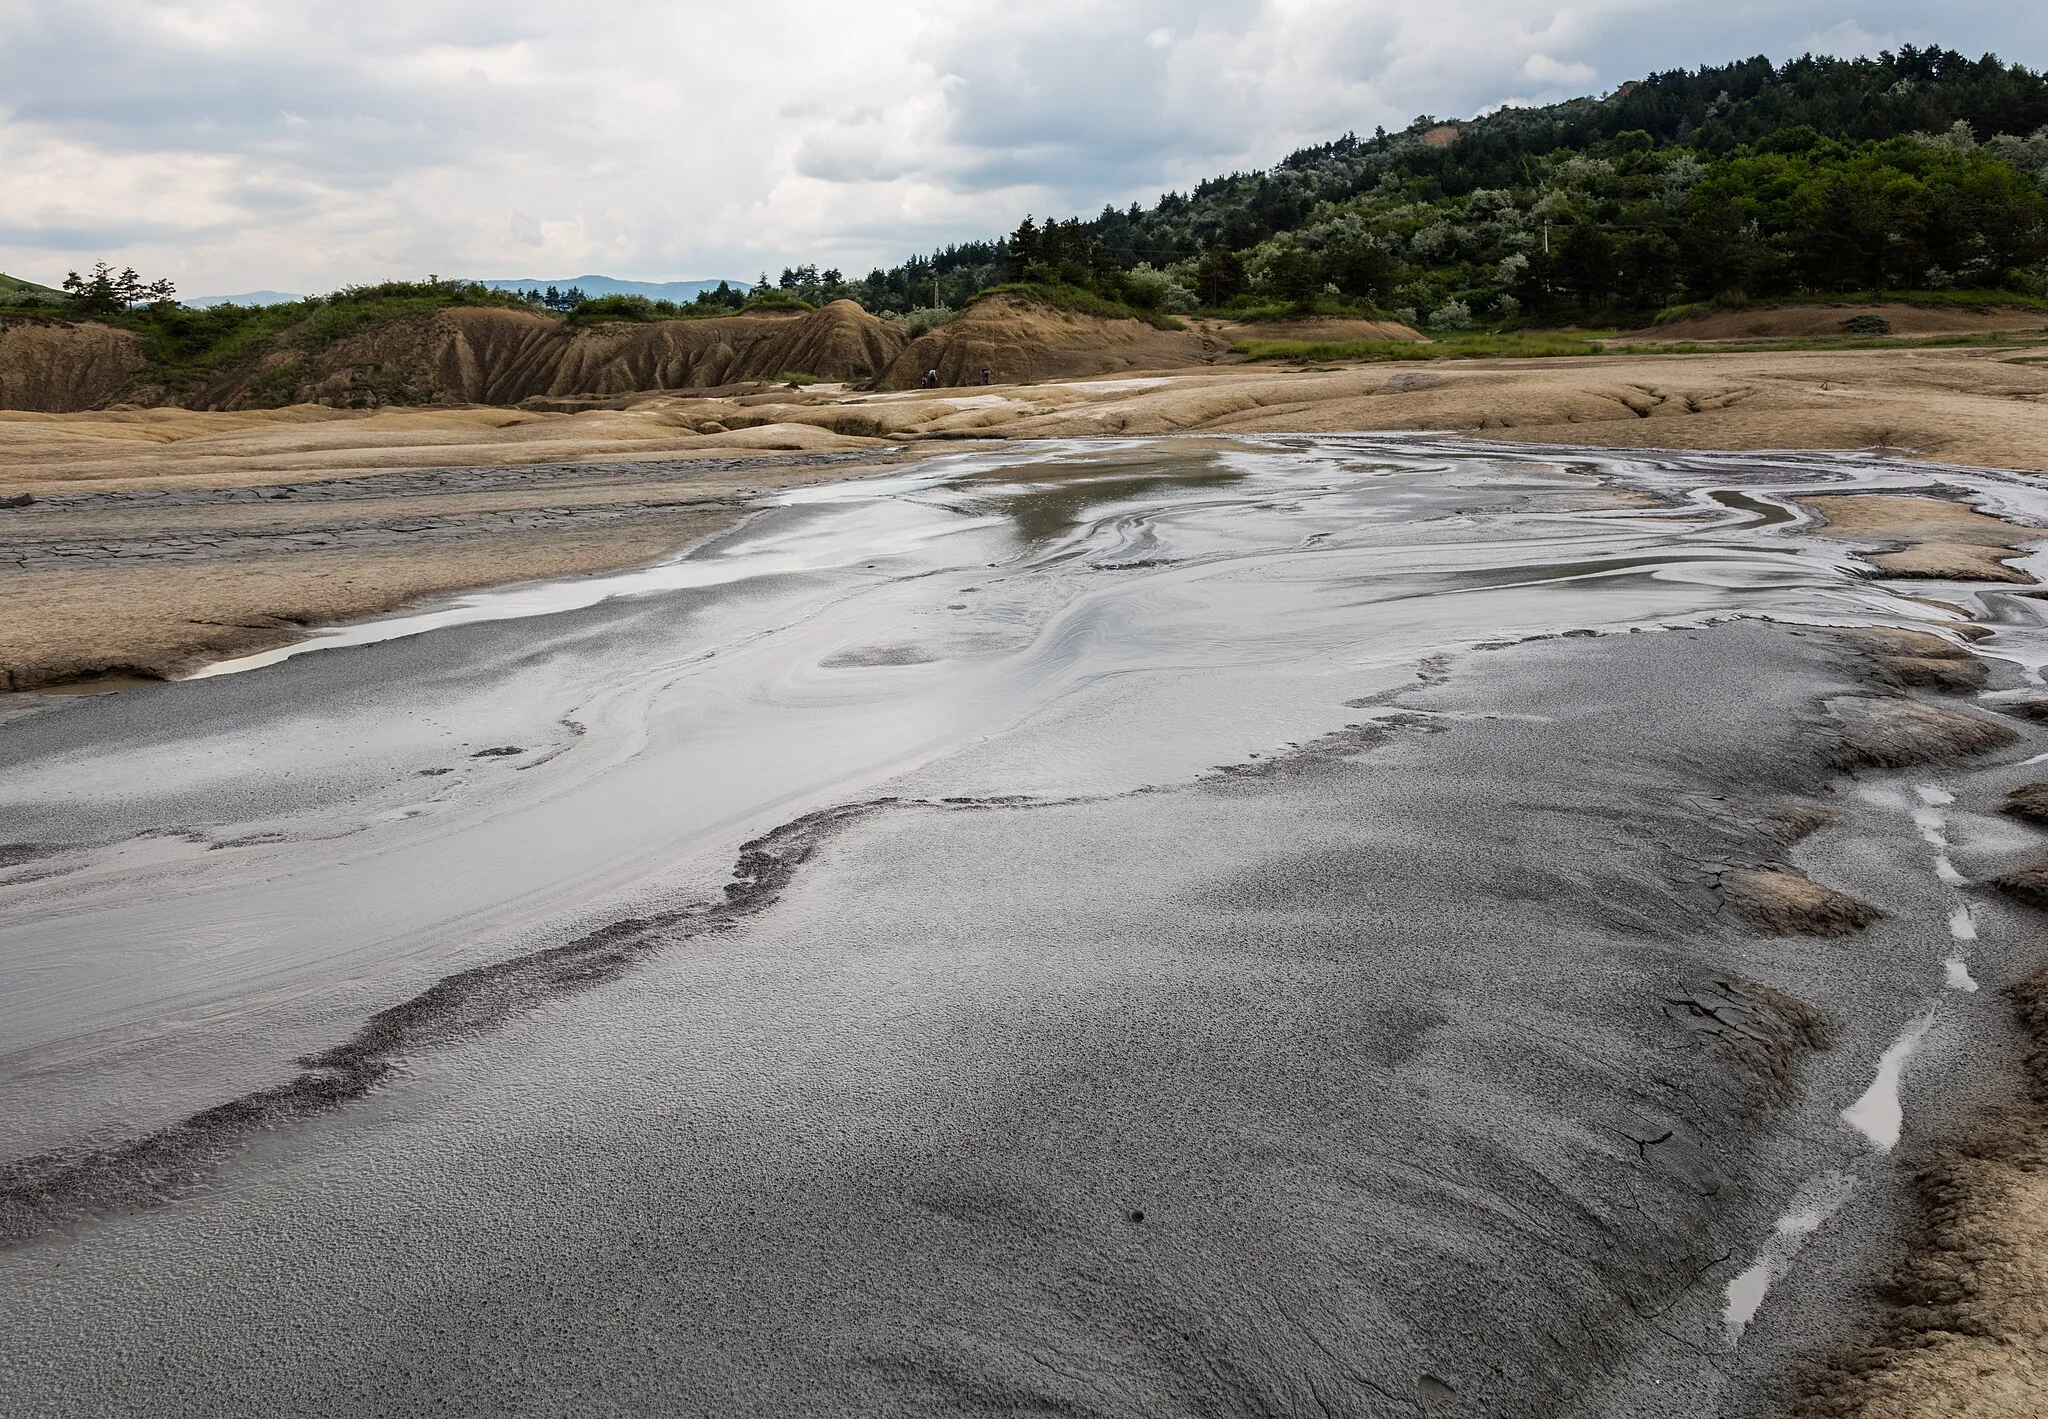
380	1034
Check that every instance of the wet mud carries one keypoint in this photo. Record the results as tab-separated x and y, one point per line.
1335	926
1961	1314
49	1190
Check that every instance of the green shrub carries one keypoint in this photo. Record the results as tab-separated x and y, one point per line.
636	309
923	318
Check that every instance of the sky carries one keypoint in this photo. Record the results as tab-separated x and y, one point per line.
235	145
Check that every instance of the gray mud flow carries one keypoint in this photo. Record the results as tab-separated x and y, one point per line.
1152	928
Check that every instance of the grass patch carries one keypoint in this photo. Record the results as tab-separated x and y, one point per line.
16	292
1081	302
797	379
1248	312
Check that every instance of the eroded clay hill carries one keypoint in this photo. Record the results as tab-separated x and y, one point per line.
57	368
491	355
460	355
1019	341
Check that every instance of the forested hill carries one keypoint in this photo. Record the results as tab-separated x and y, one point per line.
1916	169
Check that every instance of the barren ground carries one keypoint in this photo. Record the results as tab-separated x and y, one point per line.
152	541
134	558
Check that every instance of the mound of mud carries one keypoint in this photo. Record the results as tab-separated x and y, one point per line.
490	355
2029	883
2029	801
1921	660
1323	329
1020	341
1782	902
460	355
54	367
1757	1031
1964	1309
1891	733
1934	537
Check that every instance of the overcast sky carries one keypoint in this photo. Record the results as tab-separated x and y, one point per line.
242	144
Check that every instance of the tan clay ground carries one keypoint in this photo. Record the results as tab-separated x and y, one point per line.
1938	539
158	586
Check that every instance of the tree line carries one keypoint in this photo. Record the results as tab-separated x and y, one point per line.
1916	169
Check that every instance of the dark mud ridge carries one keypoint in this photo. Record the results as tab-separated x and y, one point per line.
52	1189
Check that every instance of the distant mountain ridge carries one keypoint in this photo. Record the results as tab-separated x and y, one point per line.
244	298
678	291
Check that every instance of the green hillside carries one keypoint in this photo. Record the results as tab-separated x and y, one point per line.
16	292
1916	170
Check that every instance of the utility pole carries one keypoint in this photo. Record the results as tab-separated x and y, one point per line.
1546	236
935	292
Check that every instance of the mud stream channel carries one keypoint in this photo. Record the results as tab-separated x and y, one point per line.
1141	928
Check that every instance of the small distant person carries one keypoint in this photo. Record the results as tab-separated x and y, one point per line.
986	377
931	379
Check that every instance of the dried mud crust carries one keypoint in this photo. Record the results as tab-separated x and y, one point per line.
1920	660
1893	732
1928	537
2029	801
1783	902
1756	1030
1965	1325
164	619
157	582
2028	883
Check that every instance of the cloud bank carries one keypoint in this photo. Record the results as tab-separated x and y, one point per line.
231	144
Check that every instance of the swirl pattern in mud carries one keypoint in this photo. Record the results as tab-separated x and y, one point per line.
1421	1059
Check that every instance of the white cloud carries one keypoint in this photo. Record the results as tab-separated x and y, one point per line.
237	143
1545	70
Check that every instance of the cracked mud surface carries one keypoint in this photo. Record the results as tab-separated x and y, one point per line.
1143	960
